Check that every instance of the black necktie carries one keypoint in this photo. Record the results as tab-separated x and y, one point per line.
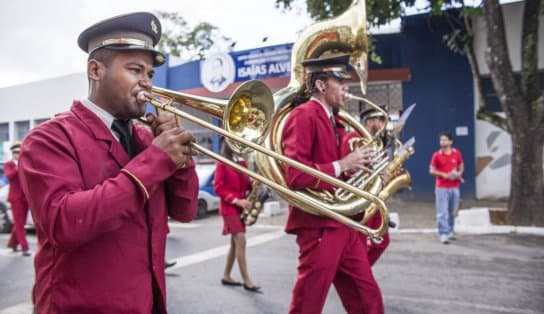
121	127
335	131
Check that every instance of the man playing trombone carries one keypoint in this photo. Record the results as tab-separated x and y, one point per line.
101	188
329	251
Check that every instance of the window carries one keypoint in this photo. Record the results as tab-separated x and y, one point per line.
4	132
21	129
384	93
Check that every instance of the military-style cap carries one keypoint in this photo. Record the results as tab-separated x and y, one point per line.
372	113
331	64
15	147
134	31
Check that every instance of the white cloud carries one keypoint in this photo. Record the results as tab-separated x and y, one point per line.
39	37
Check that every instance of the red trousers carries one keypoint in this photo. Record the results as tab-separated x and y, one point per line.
375	250
334	255
19	210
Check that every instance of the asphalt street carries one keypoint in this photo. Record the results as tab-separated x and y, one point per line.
417	274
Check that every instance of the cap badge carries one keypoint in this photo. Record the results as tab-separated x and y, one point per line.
159	58
154	26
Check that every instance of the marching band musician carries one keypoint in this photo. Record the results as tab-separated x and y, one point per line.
373	120
232	187
101	188
329	252
17	199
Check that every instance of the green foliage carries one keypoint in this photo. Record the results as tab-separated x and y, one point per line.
178	39
379	12
383	12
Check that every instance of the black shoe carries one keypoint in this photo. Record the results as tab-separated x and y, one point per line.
255	289
230	283
169	264
27	253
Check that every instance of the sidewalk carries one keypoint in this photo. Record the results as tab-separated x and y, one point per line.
412	214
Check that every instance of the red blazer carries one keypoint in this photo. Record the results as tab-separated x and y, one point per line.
102	244
308	137
230	184
15	192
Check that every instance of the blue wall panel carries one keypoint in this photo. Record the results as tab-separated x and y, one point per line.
441	85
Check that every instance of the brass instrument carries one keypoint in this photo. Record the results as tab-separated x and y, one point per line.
246	114
245	123
257	198
345	33
396	179
252	117
393	176
362	178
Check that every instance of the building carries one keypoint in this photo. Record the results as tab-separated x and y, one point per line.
417	68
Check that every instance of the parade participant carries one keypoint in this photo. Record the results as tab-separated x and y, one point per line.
373	120
329	252
17	199
447	166
232	187
101	188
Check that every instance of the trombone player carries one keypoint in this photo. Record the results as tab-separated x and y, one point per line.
329	252
101	188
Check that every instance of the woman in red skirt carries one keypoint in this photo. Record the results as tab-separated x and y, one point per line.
232	187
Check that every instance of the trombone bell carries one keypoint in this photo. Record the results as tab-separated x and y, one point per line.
246	114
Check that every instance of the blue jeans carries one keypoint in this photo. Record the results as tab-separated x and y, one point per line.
447	200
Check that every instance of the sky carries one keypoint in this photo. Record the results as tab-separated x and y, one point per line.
39	38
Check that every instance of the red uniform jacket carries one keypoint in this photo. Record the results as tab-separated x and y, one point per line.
15	192
230	185
102	244
308	137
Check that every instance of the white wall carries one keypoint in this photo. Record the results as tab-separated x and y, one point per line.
493	155
37	101
494	146
512	14
42	99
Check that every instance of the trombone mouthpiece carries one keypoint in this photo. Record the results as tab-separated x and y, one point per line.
142	97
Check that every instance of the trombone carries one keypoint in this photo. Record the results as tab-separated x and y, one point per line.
246	116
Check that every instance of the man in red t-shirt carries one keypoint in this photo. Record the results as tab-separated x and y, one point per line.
447	166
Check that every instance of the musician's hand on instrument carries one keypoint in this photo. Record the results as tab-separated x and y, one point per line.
385	178
243	203
175	142
162	122
358	159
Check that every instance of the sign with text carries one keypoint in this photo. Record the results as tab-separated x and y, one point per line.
218	71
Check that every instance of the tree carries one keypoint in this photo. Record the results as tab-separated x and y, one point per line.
179	40
521	100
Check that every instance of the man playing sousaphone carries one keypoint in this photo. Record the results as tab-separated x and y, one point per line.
329	251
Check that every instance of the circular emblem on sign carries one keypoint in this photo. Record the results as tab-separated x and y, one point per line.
217	72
